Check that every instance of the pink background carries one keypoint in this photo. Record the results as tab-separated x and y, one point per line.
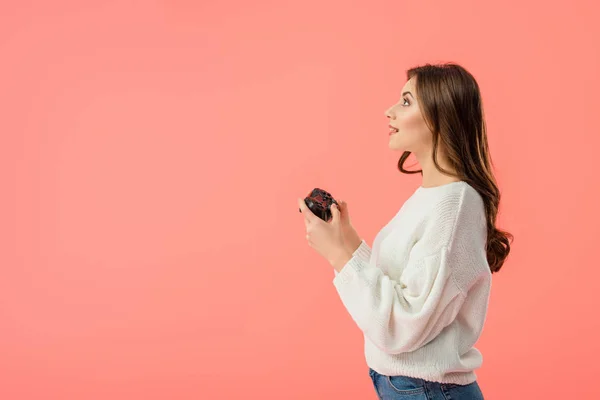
152	154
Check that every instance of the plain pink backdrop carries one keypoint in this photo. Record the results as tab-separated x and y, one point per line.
152	154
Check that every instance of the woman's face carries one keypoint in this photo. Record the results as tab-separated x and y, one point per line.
412	133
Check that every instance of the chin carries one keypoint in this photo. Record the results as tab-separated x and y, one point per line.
394	146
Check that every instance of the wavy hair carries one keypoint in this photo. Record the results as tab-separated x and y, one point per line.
450	101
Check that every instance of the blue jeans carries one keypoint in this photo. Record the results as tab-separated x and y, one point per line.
406	388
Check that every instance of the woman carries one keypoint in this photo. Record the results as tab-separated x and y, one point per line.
420	295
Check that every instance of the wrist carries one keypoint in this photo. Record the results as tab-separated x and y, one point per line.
340	260
354	245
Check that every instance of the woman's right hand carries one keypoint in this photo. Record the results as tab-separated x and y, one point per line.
351	238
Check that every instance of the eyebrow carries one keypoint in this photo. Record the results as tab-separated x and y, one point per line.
408	93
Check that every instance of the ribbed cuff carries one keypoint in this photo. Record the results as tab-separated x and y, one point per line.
363	251
349	271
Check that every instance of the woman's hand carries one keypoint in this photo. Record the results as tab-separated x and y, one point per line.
351	239
326	237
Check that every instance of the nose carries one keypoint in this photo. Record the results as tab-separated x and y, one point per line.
388	112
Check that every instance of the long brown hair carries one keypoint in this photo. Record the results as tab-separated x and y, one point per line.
450	101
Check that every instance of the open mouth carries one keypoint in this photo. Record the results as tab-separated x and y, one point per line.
393	130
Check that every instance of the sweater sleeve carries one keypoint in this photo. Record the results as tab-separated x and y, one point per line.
363	252
404	314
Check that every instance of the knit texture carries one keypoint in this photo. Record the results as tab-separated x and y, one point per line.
420	295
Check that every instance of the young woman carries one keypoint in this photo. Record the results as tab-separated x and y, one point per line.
420	294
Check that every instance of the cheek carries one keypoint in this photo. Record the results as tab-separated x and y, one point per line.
413	130
411	121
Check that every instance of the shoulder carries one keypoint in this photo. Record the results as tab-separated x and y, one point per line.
457	194
453	202
455	214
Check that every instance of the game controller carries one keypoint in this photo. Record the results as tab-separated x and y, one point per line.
319	202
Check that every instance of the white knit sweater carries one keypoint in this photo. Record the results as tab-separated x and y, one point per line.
420	296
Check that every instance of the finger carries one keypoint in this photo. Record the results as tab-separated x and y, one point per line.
308	215
307	222
343	209
335	213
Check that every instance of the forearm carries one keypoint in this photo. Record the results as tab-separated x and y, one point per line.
349	250
399	315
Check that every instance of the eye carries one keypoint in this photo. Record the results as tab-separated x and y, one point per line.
405	101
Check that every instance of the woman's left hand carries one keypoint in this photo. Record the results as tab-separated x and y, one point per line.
325	237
